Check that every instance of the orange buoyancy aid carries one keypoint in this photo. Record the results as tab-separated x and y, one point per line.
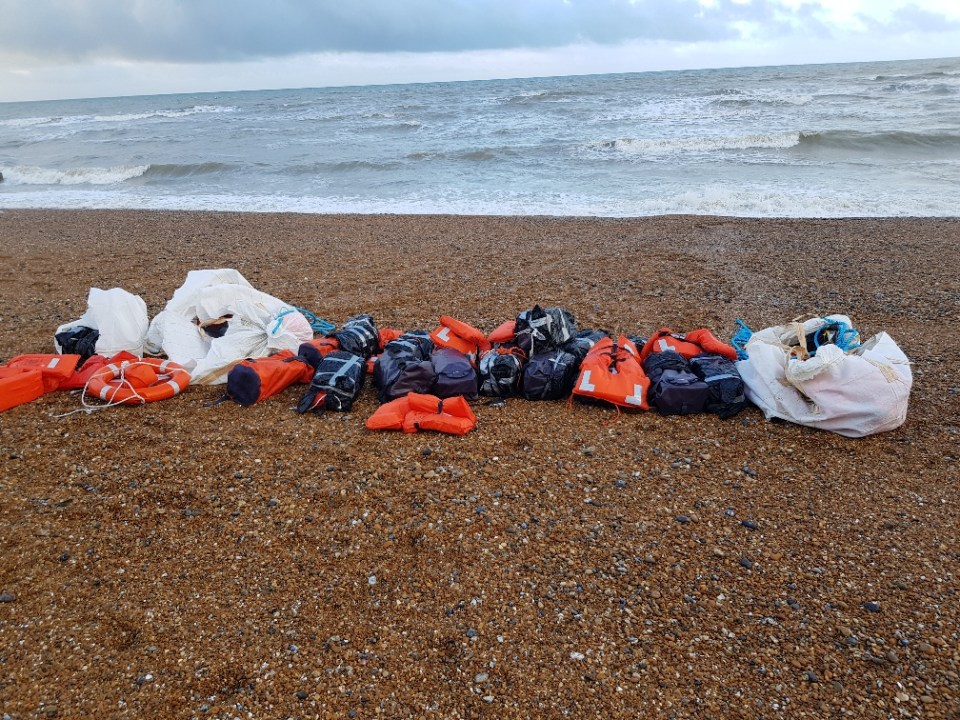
460	336
313	351
611	371
19	385
82	376
134	382
255	379
416	411
55	369
504	332
691	344
388	335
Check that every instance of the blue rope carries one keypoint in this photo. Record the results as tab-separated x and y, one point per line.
844	337
319	325
740	339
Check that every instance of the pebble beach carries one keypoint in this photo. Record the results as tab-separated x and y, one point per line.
185	560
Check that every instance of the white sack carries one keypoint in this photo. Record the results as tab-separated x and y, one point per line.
858	393
258	324
119	316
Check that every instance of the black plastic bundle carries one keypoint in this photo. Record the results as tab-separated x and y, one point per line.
405	366
500	371
78	340
540	329
550	375
359	335
727	395
336	383
674	389
583	342
455	374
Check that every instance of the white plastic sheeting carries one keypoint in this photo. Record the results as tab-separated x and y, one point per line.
119	316
855	393
257	325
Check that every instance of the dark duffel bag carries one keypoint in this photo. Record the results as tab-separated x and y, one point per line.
727	394
500	371
336	383
541	329
404	367
550	375
455	374
674	389
359	335
583	342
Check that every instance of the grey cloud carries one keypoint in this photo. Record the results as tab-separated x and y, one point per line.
219	30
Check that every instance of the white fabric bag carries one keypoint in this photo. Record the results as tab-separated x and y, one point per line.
119	316
855	393
257	325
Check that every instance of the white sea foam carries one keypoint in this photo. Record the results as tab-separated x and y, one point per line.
26	175
668	145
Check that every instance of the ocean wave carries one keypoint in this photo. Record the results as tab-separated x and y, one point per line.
748	100
665	146
58	120
29	175
543	96
186	170
344	166
902	139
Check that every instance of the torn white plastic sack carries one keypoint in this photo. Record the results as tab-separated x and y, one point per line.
118	316
855	393
257	324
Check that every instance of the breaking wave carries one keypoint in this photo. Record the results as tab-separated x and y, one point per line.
863	141
57	120
27	175
665	146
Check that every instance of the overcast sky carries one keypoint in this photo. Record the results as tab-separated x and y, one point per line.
91	48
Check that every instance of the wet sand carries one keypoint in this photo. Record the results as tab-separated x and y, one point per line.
178	560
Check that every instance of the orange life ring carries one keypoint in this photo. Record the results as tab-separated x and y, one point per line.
111	385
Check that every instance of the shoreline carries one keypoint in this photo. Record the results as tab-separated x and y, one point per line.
182	556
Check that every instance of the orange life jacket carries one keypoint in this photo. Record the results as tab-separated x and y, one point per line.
388	335
19	385
503	333
611	371
460	336
255	379
688	344
80	377
55	369
415	411
313	351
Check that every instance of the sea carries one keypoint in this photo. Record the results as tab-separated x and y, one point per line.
862	139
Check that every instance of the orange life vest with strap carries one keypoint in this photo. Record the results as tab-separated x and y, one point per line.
19	385
688	344
81	377
313	351
460	336
255	379
505	332
55	369
611	372
415	411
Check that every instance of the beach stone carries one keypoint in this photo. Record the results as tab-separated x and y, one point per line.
7	597
873	607
811	677
480	677
747	563
683	519
301	694
749	524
